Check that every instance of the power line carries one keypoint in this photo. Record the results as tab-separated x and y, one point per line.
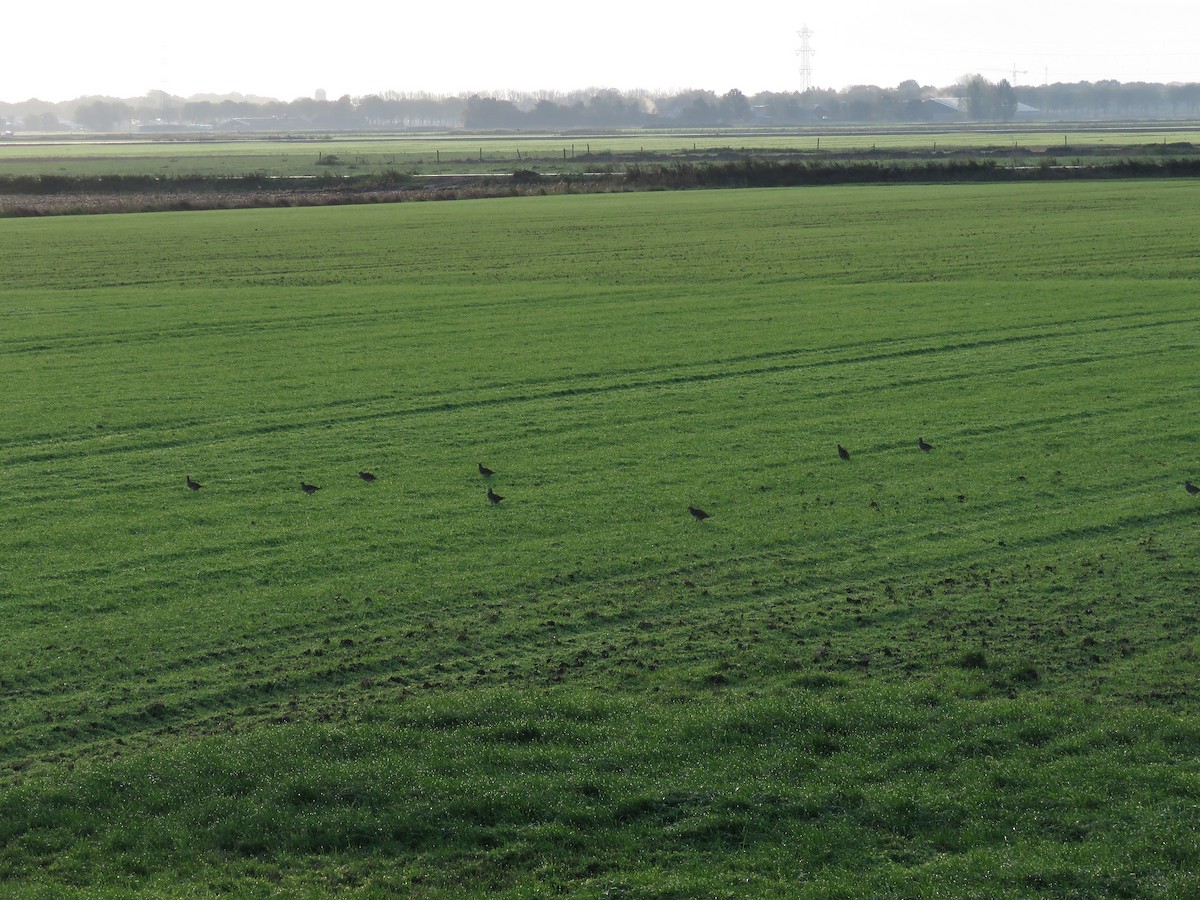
805	53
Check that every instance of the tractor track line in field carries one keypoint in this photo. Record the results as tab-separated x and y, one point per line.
74	444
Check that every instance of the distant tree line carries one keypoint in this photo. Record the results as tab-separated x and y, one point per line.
979	100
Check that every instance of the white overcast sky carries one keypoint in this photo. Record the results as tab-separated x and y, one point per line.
126	48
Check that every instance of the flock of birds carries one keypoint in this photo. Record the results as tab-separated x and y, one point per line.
696	512
311	489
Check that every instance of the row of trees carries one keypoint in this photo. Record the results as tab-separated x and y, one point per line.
609	109
1115	100
987	102
981	100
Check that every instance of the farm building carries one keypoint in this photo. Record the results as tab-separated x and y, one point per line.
265	123
951	109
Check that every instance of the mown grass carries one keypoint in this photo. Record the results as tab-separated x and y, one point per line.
813	794
966	672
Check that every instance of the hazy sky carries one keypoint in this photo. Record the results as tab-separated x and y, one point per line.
125	48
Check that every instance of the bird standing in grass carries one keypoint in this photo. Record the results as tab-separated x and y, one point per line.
366	476
485	471
308	488
843	452
493	497
924	446
1191	488
698	514
194	485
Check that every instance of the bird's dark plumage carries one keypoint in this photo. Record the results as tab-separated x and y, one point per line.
493	497
843	452
698	514
308	488
924	446
1191	488
485	471
194	485
366	476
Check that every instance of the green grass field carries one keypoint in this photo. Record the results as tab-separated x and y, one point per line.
967	672
432	154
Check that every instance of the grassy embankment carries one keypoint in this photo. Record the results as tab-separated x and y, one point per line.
963	672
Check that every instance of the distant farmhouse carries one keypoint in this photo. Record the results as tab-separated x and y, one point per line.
169	127
248	124
265	123
952	109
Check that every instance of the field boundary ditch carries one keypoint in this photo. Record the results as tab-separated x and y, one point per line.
32	196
